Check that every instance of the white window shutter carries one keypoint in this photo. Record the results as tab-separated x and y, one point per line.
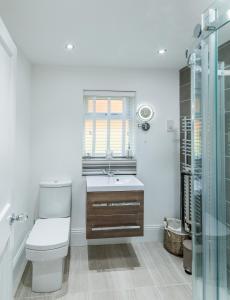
109	125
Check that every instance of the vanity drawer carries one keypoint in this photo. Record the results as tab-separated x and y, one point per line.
115	196
114	226
114	220
115	203
114	207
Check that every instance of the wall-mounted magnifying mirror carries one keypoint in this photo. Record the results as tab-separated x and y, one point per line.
145	114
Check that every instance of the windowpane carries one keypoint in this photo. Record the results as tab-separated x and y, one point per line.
90	104
101	106
88	137
116	140
101	137
116	106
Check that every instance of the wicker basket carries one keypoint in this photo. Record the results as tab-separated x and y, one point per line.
173	241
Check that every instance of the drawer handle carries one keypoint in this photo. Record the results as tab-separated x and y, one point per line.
125	204
100	205
116	228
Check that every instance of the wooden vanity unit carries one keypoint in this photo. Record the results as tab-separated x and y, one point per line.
111	214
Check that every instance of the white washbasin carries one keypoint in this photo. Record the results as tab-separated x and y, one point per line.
114	183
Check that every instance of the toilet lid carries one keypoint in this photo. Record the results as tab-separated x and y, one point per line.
48	234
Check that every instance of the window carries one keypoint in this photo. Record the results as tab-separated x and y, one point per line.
108	124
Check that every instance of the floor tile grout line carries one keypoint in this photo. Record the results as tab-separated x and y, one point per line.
157	267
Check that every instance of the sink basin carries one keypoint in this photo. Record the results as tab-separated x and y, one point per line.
113	184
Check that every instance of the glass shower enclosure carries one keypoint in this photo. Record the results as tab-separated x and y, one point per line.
210	68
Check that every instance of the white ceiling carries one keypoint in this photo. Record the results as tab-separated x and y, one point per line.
117	33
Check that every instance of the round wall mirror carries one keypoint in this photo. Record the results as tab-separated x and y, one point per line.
145	113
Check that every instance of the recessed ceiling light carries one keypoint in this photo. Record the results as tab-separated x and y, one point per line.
69	46
162	51
228	13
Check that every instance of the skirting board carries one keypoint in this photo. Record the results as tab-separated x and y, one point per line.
152	233
19	264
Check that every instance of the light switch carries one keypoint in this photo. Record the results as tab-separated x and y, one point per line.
170	126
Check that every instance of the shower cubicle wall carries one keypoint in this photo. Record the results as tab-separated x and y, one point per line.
210	77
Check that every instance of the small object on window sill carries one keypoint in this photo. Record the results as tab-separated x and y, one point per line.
129	153
109	155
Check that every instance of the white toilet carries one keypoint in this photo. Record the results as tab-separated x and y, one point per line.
48	242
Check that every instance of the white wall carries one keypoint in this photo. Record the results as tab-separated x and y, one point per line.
57	130
22	186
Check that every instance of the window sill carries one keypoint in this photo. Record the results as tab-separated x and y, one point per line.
119	166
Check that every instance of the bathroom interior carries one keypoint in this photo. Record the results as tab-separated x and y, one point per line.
114	150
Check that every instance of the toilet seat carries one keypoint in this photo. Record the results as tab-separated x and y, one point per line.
48	240
49	234
46	255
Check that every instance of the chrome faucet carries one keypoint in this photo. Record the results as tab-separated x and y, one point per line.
109	157
108	172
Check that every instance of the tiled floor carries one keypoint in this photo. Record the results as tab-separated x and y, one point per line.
119	272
